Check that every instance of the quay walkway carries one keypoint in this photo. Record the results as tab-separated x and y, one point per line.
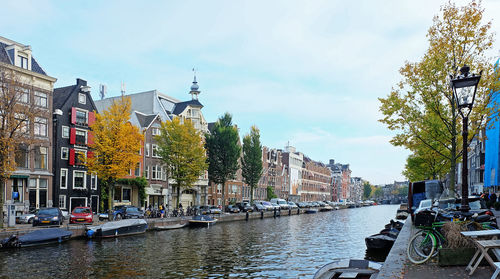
397	264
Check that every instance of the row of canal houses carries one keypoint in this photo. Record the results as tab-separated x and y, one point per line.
50	174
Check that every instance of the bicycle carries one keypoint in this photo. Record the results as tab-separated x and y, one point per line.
427	242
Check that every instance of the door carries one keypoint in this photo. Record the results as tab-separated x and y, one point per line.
43	198
75	202
32	196
94	202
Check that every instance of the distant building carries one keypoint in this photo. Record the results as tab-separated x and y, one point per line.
294	163
274	173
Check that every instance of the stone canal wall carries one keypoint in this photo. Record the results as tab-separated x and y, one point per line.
395	262
79	230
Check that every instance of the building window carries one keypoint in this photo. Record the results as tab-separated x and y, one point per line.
23	122
65	132
146	152
219	189
82	98
23	61
126	194
62	201
22	158
41	158
25	95
79	181
146	172
155	151
17	189
40	126
64	179
64	153
41	99
155	131
137	169
93	182
80	137
153	172
80	156
81	117
118	194
42	183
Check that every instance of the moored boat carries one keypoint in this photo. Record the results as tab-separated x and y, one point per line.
311	211
381	241
202	221
349	269
35	238
326	208
117	228
171	227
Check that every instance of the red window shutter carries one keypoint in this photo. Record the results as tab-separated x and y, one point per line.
90	138
91	118
72	136
71	156
73	115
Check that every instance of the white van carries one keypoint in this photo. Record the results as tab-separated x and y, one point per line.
281	202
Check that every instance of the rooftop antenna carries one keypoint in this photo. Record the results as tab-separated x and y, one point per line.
102	90
123	88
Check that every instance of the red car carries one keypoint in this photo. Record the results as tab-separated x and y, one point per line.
82	215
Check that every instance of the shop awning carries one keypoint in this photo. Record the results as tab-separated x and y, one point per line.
19	176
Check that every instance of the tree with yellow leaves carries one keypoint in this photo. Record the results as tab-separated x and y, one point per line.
181	149
116	145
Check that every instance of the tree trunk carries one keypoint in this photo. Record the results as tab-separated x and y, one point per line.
251	193
223	195
178	195
2	190
111	189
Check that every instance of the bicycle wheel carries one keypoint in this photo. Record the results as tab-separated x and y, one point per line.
421	247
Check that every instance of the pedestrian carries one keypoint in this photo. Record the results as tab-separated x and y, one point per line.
493	199
162	210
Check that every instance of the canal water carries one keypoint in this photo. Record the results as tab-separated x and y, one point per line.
287	247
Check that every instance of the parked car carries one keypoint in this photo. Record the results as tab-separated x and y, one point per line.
26	218
280	202
244	207
81	215
292	205
275	206
259	207
214	210
267	205
127	212
232	209
303	205
48	216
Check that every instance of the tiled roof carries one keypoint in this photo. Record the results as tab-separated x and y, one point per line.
145	120
180	107
61	94
4	57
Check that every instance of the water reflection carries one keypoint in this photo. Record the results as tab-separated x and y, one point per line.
285	247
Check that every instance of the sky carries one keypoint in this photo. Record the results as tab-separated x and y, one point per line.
307	73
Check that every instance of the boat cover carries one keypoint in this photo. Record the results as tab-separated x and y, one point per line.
113	225
43	234
203	218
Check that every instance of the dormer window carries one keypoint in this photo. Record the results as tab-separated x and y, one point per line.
82	99
22	61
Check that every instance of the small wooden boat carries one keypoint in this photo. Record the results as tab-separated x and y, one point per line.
359	269
326	208
170	227
35	238
202	221
311	211
382	241
117	228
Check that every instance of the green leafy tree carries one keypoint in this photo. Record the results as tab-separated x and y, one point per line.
367	190
422	107
270	193
223	152
181	149
379	193
251	164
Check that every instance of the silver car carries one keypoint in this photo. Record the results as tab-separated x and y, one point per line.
26	218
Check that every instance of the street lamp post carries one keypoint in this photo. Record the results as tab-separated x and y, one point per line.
464	89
